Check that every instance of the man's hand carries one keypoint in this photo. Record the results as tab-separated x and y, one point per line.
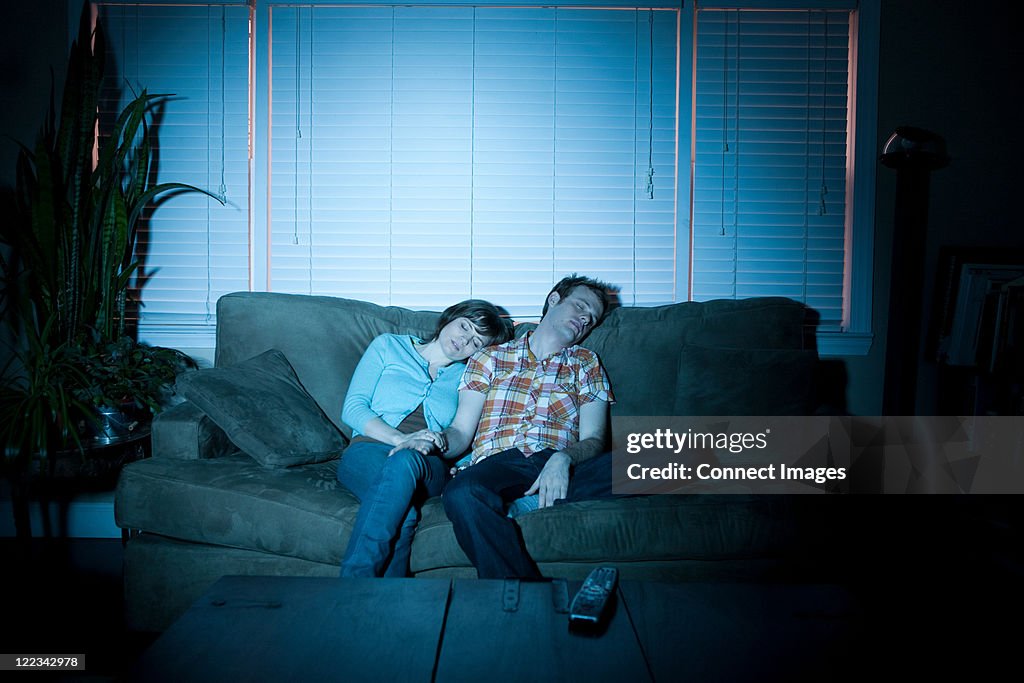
553	482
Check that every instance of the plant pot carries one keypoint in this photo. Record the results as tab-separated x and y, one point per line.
110	425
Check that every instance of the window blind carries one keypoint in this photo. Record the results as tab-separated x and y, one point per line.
416	155
420	155
192	249
770	150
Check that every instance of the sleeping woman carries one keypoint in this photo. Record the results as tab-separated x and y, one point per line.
402	389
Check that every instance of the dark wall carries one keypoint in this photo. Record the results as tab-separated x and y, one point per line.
953	68
33	45
33	41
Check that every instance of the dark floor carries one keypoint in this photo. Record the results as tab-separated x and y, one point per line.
63	596
940	596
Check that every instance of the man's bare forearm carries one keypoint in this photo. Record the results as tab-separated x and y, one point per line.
584	450
457	441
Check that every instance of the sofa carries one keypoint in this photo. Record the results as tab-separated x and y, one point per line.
242	474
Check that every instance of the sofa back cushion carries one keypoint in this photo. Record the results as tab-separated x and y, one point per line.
724	381
322	337
641	347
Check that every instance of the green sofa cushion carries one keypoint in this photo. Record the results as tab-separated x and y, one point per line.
640	346
302	512
265	411
233	501
187	433
726	381
630	530
323	337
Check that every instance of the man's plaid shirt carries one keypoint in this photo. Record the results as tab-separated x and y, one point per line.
532	404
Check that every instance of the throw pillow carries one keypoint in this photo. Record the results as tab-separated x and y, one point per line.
724	381
264	410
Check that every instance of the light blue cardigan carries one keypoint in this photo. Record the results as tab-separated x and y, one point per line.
392	380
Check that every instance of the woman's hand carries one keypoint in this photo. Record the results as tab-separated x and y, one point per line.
424	441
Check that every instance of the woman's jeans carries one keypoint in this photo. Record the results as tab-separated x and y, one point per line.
391	491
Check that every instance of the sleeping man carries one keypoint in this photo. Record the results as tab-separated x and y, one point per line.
538	408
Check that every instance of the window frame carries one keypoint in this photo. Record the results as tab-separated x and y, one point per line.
857	336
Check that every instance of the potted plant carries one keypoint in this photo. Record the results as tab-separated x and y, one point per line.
37	412
124	383
69	262
38	401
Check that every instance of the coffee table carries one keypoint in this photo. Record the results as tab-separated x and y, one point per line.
248	628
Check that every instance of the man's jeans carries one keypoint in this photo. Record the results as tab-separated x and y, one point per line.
476	502
391	491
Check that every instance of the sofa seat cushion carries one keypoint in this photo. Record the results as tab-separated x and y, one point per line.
631	529
234	501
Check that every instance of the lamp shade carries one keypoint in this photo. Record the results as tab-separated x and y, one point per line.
909	146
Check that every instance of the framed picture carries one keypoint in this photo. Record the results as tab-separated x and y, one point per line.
968	302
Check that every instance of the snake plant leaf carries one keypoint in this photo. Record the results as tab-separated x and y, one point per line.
114	240
45	193
66	132
25	176
143	160
105	163
152	192
126	275
78	112
119	144
120	246
47	201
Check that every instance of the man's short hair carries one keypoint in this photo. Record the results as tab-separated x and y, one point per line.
603	290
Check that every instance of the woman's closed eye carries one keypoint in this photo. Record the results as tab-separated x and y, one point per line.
476	340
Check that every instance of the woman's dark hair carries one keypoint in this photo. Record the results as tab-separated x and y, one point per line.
487	318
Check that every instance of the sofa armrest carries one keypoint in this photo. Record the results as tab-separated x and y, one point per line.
185	432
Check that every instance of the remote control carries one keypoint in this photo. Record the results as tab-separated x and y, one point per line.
589	603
